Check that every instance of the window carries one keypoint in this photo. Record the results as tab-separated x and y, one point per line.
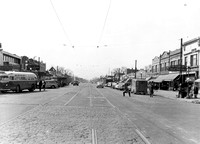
185	61
193	60
165	66
179	61
173	63
156	68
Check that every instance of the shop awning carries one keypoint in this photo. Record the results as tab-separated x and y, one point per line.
169	77
159	78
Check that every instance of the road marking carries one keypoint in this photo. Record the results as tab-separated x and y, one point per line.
72	98
106	99
94	136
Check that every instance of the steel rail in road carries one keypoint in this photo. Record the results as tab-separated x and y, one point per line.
145	140
167	132
38	105
94	136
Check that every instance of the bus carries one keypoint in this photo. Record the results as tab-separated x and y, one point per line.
17	81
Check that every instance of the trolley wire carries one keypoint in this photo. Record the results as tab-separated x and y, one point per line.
104	25
61	24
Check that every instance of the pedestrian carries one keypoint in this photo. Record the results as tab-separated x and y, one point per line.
40	85
151	89
44	84
126	90
189	91
196	90
179	90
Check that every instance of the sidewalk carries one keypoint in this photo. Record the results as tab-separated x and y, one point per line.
172	95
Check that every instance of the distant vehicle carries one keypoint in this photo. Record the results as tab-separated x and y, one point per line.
17	81
139	86
114	84
51	84
75	83
100	85
120	86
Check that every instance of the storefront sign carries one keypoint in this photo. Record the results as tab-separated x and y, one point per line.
177	68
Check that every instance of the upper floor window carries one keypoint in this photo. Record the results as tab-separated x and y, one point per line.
193	60
179	61
185	61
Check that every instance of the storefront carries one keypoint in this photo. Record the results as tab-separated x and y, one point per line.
168	82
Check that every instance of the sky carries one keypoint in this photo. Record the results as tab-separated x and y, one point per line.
123	30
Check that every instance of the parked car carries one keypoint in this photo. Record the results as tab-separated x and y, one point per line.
75	83
100	85
114	84
51	84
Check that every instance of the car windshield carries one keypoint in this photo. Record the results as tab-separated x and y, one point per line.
99	71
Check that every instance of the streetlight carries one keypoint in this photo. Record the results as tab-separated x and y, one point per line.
141	74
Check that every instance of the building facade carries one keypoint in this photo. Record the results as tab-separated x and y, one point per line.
191	57
9	62
164	62
155	66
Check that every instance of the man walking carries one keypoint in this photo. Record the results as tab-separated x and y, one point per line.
126	90
196	90
44	84
151	89
40	85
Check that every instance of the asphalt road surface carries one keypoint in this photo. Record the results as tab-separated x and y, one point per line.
87	115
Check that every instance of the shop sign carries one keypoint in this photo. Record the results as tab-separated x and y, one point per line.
177	68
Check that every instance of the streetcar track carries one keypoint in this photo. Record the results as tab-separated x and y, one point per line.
139	133
152	123
94	136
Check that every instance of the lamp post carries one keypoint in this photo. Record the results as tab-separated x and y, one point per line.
141	74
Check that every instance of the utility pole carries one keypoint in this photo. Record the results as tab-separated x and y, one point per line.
135	68
181	53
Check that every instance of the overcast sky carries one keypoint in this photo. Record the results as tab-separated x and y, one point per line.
134	30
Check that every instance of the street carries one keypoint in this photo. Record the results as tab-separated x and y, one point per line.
86	114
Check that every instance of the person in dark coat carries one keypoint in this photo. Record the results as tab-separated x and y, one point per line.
126	90
44	84
151	86
40	85
196	90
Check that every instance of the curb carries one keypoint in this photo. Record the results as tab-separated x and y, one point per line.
195	101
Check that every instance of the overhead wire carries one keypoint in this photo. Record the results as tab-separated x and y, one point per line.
61	24
104	25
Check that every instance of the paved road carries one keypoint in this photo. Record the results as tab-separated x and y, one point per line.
85	114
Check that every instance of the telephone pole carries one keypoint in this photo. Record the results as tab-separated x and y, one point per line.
181	53
135	68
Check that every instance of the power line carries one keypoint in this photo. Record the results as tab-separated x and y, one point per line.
61	24
104	23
